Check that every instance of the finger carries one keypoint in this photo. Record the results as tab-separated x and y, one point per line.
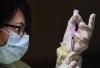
91	21
77	17
71	54
68	59
78	36
82	26
77	66
82	38
73	64
71	23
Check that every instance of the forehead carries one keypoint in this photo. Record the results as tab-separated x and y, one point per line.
18	18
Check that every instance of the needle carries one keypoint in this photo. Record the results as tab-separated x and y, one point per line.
72	44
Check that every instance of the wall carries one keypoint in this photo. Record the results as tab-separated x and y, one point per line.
49	23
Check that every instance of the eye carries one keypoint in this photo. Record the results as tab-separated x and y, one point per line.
17	30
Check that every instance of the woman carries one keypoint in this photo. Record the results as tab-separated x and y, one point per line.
15	20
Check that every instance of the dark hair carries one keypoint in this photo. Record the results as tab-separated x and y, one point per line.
8	9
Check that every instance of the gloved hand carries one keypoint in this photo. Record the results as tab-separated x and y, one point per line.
69	62
72	64
81	36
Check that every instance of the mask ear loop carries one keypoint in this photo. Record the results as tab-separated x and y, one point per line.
4	31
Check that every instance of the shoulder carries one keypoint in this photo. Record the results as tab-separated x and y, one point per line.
16	64
21	64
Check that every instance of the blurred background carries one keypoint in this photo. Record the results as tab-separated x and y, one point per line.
49	24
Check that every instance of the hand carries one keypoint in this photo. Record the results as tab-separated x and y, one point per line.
81	36
72	64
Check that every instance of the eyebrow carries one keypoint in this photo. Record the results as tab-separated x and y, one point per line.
20	23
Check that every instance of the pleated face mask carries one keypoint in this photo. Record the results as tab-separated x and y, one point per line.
14	49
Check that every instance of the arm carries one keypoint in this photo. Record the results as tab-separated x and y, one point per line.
81	38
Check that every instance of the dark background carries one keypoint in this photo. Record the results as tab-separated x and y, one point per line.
49	23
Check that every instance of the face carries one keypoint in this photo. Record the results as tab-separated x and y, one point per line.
19	21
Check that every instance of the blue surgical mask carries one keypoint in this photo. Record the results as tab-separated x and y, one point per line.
14	49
